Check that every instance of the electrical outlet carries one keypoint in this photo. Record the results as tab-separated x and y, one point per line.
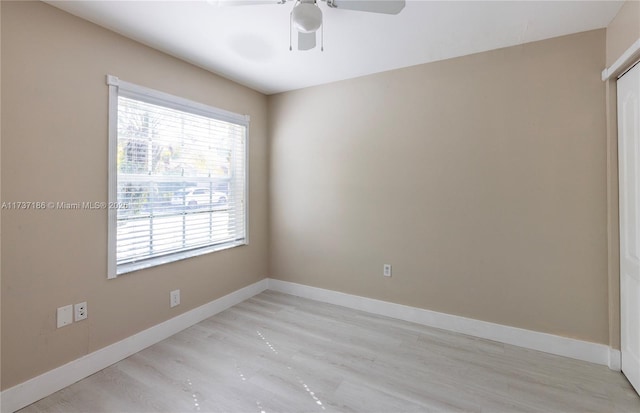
80	311
386	271
174	297
65	315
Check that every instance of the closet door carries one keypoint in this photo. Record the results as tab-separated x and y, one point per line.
629	186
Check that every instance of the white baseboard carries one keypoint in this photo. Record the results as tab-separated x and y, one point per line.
41	386
549	343
615	359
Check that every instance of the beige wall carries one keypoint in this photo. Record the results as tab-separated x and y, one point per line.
481	179
54	147
623	30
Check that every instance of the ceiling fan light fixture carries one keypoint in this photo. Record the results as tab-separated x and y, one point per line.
307	17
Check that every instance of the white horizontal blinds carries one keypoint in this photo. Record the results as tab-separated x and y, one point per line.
180	179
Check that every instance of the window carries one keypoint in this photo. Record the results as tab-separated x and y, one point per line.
177	178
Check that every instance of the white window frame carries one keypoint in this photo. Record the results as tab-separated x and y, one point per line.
116	86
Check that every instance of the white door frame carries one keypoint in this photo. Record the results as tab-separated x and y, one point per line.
624	62
628	120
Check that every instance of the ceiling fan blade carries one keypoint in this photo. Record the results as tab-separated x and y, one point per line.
372	6
223	3
306	41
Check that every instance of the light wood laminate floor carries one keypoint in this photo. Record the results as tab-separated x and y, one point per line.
279	353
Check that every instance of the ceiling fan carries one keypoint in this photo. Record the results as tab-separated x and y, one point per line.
306	16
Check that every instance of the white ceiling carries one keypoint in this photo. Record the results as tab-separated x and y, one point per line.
250	44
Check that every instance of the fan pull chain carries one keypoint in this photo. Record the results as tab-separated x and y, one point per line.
290	28
322	38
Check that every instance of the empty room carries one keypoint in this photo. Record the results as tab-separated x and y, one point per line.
319	206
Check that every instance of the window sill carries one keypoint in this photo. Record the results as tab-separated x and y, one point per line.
154	262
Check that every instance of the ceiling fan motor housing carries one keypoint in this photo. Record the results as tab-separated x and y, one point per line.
307	17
